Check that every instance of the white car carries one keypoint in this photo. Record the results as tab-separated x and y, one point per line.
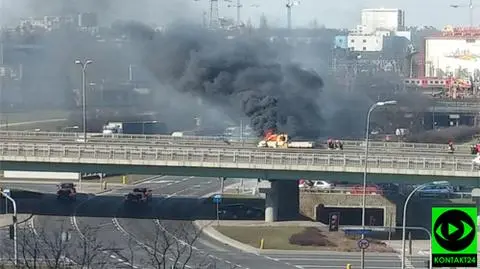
322	185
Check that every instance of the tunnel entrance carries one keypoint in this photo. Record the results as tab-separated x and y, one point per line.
352	215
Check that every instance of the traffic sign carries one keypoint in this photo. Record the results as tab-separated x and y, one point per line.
454	242
363	243
6	192
217	198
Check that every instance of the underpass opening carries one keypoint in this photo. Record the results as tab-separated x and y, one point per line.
351	216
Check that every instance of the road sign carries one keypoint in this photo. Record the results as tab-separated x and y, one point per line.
363	243
454	242
217	198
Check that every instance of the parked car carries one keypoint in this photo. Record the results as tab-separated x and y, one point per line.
440	191
240	211
316	184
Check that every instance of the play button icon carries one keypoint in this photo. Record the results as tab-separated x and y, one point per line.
454	230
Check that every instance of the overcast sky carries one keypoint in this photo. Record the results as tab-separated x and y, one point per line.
338	14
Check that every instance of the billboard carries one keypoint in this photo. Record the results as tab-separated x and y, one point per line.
452	57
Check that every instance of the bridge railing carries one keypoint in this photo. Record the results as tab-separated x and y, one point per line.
203	157
464	104
124	138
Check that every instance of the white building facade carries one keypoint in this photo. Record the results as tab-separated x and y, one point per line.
376	24
383	19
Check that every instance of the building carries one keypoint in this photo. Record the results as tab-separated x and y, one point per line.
455	52
376	25
361	42
383	19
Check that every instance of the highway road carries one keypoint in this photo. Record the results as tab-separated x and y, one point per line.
215	142
123	232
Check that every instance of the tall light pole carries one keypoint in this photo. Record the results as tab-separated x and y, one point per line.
84	65
289	6
364	195
14	218
404	224
470	7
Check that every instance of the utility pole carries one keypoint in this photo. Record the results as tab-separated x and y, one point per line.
470	9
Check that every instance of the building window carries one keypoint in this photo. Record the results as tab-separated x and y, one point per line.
352	40
364	41
364	48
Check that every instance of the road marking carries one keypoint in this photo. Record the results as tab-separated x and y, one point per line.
30	122
131	236
158	223
73	218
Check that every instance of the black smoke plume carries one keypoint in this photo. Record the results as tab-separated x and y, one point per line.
242	76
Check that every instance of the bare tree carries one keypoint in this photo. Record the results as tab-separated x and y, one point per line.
58	249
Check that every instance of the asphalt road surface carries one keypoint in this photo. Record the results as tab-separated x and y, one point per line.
127	235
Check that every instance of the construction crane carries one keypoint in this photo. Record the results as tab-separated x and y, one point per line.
470	9
289	6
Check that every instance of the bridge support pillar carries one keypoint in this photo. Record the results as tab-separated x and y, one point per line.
281	201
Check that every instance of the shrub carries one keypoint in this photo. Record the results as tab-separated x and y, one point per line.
310	237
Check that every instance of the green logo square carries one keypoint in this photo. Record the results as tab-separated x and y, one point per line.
454	236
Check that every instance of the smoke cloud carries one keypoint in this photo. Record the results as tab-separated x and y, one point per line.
243	76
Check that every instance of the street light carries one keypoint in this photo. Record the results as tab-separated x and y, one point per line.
84	92
470	7
364	196
14	218
404	224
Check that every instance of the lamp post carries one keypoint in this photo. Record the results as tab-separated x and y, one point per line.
470	8
364	195
84	65
404	224
14	218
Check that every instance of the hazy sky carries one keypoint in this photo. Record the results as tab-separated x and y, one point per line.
339	13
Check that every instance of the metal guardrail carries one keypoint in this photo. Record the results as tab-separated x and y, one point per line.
217	158
441	153
97	137
453	104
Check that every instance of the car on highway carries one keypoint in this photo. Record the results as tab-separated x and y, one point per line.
438	191
241	212
66	191
139	196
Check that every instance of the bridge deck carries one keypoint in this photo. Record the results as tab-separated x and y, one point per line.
244	163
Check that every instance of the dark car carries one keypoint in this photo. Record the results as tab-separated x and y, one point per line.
67	191
240	211
139	195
